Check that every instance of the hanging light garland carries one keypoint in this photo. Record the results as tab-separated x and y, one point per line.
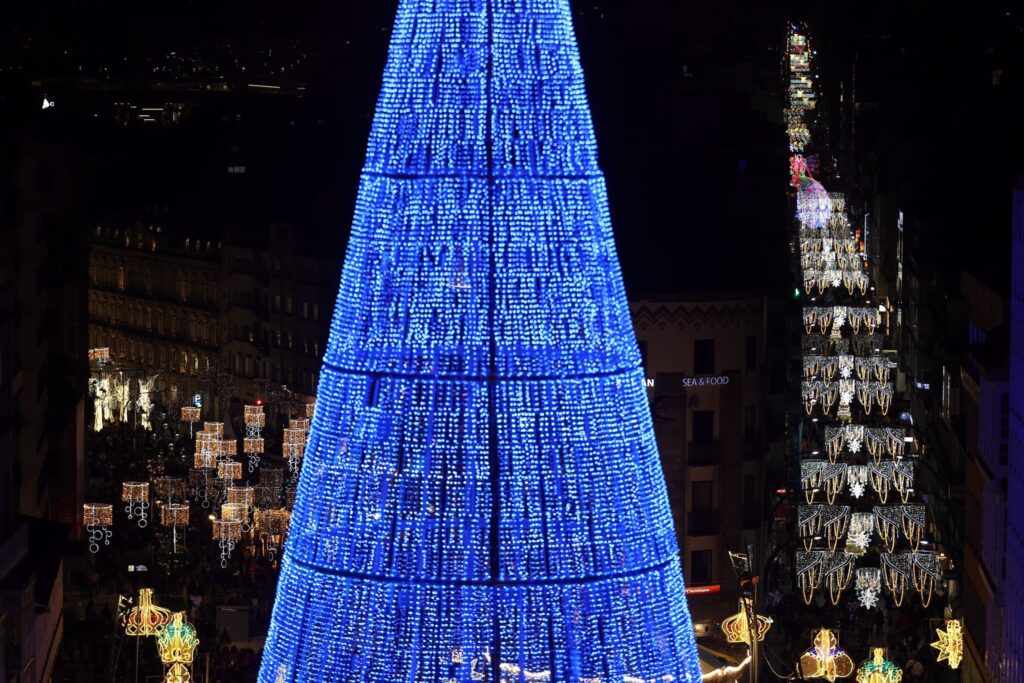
227	533
896	570
868	584
246	497
253	443
136	495
229	470
191	415
271	525
97	518
862	526
175	516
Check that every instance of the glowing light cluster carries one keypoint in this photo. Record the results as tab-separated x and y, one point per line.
481	496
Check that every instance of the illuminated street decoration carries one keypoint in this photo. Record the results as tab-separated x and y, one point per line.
878	669
738	629
271	526
950	644
897	569
191	415
145	618
176	644
481	473
862	526
227	533
826	660
253	443
868	584
97	518
175	516
136	495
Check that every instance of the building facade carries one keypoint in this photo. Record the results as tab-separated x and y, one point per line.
211	317
703	363
1013	635
983	429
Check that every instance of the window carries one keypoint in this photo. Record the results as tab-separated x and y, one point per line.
305	309
290	340
236	170
277	337
288	305
703	426
751	352
277	302
700	496
316	311
316	349
704	357
700	567
305	345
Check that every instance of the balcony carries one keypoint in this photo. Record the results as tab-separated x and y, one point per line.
699	454
128	328
702	524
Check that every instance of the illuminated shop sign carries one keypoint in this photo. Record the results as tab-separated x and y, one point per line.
705	381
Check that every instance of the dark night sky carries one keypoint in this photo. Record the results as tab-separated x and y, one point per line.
686	103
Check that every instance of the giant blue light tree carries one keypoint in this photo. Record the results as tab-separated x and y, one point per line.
481	497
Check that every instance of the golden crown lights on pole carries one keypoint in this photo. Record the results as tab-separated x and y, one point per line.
177	644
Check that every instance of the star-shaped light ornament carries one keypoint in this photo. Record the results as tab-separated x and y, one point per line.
868	599
950	643
857	489
853	444
845	373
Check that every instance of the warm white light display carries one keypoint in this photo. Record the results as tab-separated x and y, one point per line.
136	495
97	518
252	444
481	474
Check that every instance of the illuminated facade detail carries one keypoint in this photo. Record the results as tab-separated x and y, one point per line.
738	628
481	474
826	659
878	669
950	644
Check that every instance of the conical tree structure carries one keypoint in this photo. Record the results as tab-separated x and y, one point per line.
481	497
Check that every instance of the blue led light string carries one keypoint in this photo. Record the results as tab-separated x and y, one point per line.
481	497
